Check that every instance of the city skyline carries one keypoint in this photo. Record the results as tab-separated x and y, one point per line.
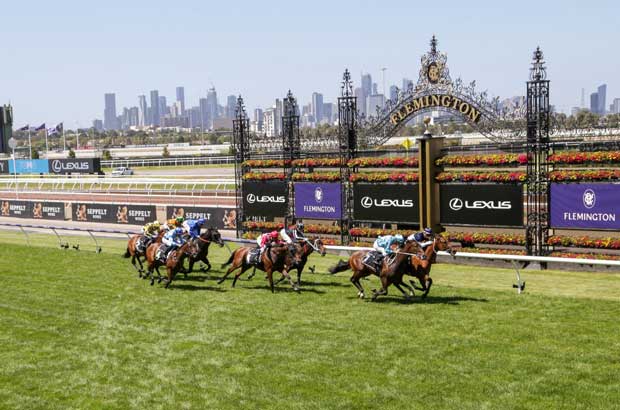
59	74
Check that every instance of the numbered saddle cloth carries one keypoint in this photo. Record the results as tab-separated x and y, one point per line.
253	257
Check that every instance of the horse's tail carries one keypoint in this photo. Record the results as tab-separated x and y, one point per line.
341	266
230	259
127	254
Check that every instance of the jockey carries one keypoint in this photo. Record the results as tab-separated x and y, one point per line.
174	223
193	226
383	244
172	239
151	231
266	240
424	239
293	235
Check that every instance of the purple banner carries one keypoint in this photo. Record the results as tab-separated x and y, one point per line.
318	200
593	206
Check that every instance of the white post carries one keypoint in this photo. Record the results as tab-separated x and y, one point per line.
29	142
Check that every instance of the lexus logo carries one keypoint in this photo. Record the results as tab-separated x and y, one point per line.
368	202
456	204
251	198
589	198
56	167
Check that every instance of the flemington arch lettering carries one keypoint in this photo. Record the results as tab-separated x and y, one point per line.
435	101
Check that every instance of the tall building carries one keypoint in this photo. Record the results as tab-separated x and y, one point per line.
98	125
594	103
374	101
204	114
375	89
257	124
231	103
279	109
366	84
393	93
406	84
329	113
269	122
109	112
134	116
317	107
163	106
155	113
361	101
181	98
583	98
615	107
194	116
212	109
143	116
602	99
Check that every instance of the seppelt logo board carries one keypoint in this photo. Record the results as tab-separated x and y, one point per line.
220	218
481	204
386	202
265	198
32	209
74	166
318	200
585	206
129	214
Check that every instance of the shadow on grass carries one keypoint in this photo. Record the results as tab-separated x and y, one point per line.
280	288
431	300
183	286
320	284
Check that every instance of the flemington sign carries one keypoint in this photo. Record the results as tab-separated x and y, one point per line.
585	206
435	101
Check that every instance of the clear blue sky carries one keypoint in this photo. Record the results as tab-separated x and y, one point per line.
60	57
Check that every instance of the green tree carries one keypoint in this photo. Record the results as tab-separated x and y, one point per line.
165	153
71	153
34	153
106	155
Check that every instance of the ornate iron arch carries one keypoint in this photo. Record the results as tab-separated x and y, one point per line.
436	91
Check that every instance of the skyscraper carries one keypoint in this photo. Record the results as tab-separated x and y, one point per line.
109	112
317	107
163	106
212	111
602	99
361	101
181	98
366	85
143	116
204	114
406	84
393	93
594	103
231	102
155	114
374	101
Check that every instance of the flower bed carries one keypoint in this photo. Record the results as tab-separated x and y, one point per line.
585	175
387	162
486	238
477	160
263	176
270	226
577	157
374	232
584	242
384	177
265	163
317	176
500	177
317	162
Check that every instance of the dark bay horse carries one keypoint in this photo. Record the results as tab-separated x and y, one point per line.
392	274
202	244
303	250
421	268
277	258
174	261
135	254
361	271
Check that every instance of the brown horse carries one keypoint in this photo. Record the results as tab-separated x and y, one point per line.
277	258
202	245
392	274
361	271
135	254
421	268
174	261
303	250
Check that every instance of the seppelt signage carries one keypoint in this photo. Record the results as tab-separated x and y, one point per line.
220	218
32	209
74	166
386	202
129	214
481	204
318	200
265	198
589	206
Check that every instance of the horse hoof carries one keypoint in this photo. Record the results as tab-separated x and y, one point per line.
152	282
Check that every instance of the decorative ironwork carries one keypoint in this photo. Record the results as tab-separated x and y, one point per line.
241	147
538	148
291	147
347	142
499	121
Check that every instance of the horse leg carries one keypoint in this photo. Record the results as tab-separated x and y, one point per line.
133	262
293	284
205	260
428	284
409	288
251	275
270	277
299	269
159	277
385	283
243	269
232	268
355	280
405	294
141	271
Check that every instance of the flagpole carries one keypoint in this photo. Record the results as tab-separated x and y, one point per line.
47	149
64	140
29	142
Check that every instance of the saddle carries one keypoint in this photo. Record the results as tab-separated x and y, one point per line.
373	261
253	257
141	244
162	253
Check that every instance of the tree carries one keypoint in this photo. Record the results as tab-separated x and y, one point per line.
35	154
165	153
71	153
106	155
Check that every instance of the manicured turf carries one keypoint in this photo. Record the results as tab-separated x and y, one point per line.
80	331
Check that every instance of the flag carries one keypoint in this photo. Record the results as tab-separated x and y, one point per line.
55	130
24	128
40	127
407	143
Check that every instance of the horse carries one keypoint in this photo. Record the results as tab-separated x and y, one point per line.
304	249
173	263
202	243
392	274
133	252
360	270
277	258
421	268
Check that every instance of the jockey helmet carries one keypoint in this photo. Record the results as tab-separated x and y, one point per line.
273	235
178	231
399	238
156	224
300	226
179	219
419	236
428	231
201	221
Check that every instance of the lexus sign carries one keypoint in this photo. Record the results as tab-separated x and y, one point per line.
269	198
386	202
482	204
74	166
